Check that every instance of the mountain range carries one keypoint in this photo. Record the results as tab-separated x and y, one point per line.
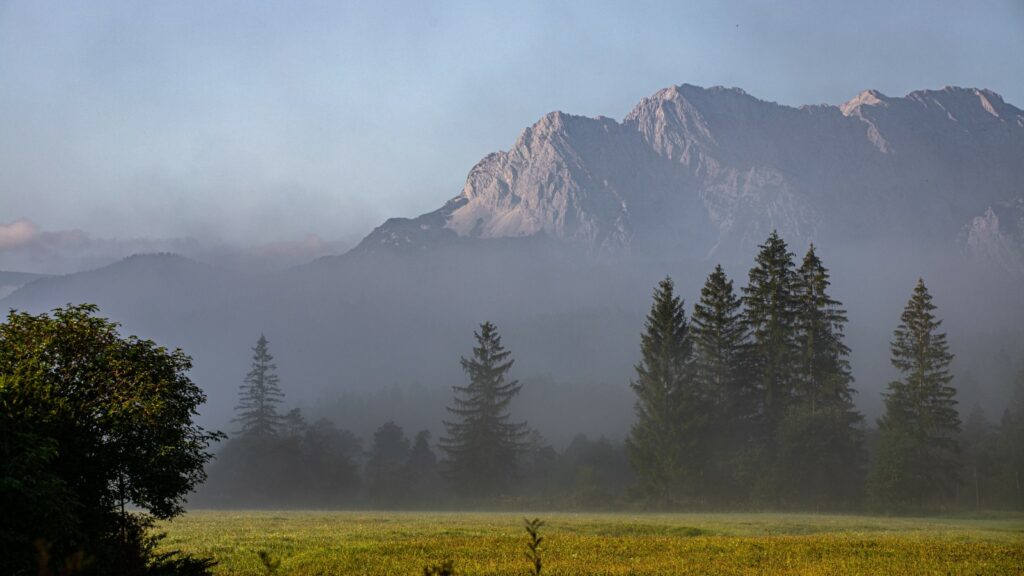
561	238
707	173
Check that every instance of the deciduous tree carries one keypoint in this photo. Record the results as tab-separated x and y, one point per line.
99	426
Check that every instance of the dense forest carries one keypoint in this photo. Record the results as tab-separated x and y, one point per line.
744	401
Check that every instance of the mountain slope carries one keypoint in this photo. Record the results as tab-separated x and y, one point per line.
709	172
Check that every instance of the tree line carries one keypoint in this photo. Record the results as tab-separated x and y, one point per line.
747	401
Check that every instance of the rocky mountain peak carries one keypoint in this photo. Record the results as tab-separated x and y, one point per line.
865	98
706	172
997	236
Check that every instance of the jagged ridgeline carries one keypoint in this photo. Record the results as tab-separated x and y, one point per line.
559	238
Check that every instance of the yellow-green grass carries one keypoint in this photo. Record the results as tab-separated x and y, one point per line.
372	543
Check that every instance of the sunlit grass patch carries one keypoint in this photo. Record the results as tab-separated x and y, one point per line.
378	543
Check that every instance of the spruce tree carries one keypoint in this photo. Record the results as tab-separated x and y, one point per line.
918	452
823	379
770	314
719	337
259	396
820	442
482	446
664	444
719	340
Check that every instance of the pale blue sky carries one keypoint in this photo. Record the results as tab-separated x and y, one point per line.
264	121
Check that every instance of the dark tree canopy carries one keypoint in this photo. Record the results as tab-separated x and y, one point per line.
719	368
387	478
482	445
664	442
770	312
259	395
918	453
823	379
719	339
820	443
99	423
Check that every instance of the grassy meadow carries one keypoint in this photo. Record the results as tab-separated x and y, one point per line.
373	543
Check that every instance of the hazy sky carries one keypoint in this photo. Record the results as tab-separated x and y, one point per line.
257	122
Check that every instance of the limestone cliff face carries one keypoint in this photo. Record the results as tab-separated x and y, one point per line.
997	236
708	172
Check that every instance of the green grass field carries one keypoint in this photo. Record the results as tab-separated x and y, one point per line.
328	543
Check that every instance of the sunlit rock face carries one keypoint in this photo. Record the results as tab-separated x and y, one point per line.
997	236
708	172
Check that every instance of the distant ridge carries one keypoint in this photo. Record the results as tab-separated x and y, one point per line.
707	172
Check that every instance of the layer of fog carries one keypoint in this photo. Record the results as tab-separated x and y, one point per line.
371	337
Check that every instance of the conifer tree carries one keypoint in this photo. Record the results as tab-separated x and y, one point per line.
918	451
482	445
719	336
770	313
664	444
259	396
823	379
294	424
719	340
820	442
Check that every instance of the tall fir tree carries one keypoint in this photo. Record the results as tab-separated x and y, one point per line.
823	379
820	441
665	443
482	446
770	314
719	340
917	461
259	395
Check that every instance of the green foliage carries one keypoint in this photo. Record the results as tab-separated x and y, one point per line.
720	352
917	462
482	446
771	314
664	443
820	444
36	501
93	423
259	395
823	379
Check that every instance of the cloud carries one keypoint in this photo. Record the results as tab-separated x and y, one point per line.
24	247
17	233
